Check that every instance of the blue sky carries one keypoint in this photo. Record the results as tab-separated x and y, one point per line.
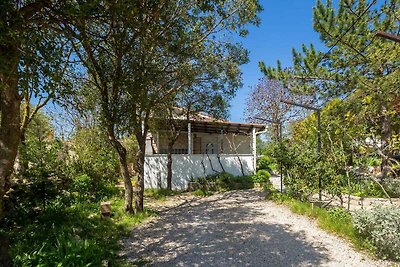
285	24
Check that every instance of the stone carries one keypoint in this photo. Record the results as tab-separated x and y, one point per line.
105	209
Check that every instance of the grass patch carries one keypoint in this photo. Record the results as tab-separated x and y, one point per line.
334	220
160	194
73	236
202	193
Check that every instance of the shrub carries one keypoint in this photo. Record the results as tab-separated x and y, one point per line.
262	176
339	214
392	187
225	181
264	163
82	185
381	226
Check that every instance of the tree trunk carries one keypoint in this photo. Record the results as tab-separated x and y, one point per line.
10	121
123	163
10	102
141	138
5	259
21	164
169	166
128	197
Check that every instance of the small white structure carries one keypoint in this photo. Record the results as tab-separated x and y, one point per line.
205	146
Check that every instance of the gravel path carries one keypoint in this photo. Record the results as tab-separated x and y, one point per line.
237	228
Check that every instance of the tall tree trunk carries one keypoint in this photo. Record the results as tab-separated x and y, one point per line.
128	198
169	166
141	138
5	259
10	102
139	207
123	163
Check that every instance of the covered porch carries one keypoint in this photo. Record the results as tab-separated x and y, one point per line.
202	148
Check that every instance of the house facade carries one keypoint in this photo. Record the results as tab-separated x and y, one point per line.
204	146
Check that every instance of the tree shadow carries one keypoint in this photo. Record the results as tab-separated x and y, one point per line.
221	231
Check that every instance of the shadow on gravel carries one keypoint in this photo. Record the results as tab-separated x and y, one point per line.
221	231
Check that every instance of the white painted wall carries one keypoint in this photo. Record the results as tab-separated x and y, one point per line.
186	167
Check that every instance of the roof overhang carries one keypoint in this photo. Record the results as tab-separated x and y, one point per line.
220	127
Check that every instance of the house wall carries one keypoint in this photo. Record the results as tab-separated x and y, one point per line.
205	142
186	167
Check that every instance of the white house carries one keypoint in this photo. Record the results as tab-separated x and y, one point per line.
204	146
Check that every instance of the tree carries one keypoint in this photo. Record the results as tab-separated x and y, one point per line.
32	57
139	54
356	63
265	103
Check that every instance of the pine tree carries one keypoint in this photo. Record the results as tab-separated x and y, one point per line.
356	63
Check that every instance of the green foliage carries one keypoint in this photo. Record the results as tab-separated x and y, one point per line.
344	161
202	193
264	163
262	176
160	194
339	214
373	161
392	187
365	72
50	169
279	198
73	236
225	181
94	156
381	226
354	63
366	188
40	174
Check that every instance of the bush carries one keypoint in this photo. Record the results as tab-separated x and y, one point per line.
366	188
339	214
381	226
262	176
85	188
392	187
264	163
225	181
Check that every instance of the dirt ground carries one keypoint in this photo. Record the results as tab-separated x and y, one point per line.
237	228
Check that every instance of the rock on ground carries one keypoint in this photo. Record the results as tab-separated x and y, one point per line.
237	228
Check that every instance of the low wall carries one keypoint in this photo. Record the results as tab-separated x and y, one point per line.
186	167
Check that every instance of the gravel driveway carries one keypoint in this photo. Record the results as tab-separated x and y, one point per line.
237	228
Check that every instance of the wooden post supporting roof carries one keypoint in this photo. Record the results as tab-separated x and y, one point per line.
190	143
254	149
